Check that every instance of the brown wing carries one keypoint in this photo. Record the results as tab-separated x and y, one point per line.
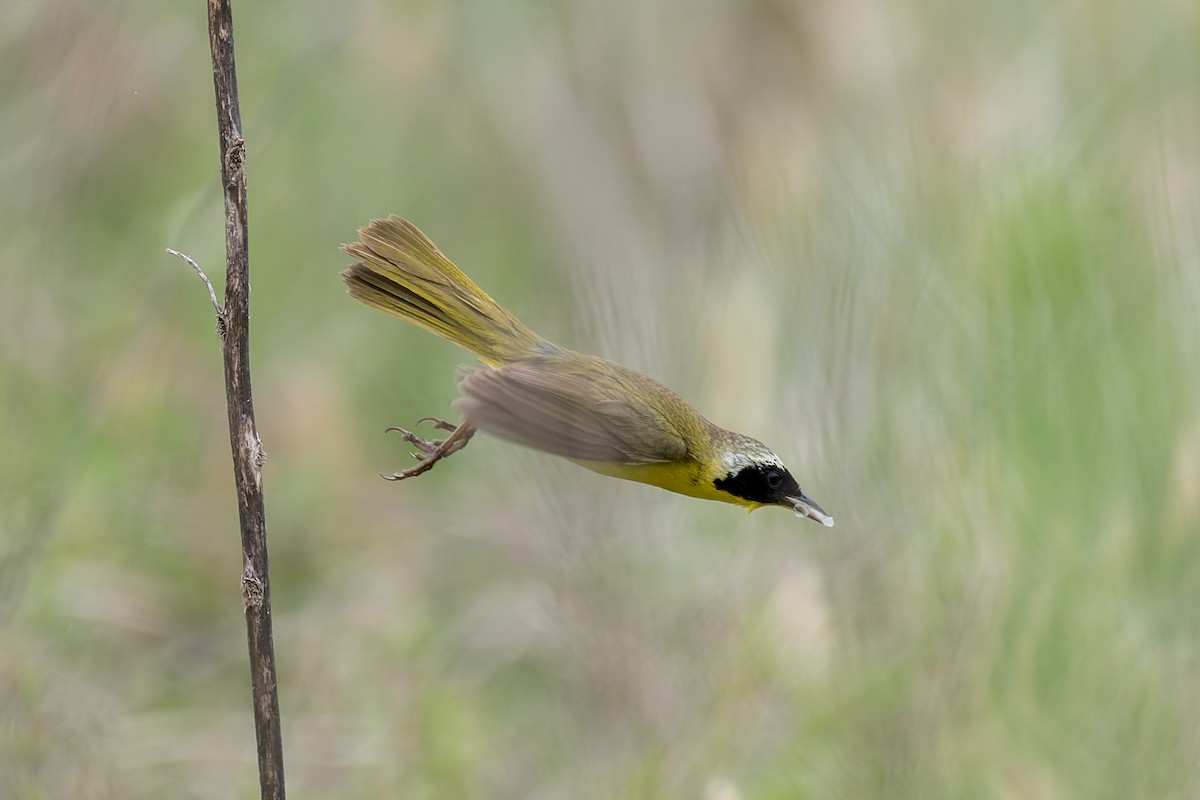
584	415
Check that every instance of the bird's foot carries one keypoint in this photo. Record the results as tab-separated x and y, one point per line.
432	452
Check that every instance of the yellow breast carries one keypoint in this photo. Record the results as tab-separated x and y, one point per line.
690	478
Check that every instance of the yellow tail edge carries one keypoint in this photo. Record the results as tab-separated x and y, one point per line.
402	272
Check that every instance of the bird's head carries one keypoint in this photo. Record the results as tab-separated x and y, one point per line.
753	476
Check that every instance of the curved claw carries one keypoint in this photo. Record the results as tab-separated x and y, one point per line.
424	445
438	423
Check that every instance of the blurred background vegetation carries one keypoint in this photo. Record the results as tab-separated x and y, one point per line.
943	257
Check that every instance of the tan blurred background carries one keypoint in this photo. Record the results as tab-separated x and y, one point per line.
942	257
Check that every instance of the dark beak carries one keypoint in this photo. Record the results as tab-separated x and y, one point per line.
805	507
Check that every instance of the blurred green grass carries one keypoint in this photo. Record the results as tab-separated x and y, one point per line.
943	259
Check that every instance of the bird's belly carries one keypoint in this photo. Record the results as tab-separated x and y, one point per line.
678	477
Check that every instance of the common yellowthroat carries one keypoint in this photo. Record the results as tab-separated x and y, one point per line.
606	417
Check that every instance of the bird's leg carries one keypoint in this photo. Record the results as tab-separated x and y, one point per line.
432	452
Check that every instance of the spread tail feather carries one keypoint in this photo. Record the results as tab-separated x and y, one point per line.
403	273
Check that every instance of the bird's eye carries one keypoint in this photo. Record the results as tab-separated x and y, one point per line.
774	479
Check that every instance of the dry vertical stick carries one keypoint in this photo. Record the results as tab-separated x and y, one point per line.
233	327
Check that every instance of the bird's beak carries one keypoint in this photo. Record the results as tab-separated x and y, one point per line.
805	507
